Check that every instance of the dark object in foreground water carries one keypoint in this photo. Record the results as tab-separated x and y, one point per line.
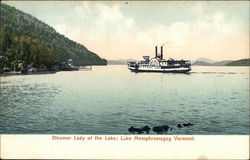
179	126
161	128
146	128
187	124
139	130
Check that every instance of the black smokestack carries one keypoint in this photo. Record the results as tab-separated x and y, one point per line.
161	52
155	51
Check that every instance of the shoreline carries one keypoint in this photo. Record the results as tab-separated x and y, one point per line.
30	73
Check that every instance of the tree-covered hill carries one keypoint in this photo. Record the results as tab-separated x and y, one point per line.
241	62
25	38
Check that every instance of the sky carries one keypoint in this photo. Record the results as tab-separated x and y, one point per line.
217	30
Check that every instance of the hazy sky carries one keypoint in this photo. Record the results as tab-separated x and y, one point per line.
116	30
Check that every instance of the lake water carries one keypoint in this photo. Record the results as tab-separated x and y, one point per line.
110	99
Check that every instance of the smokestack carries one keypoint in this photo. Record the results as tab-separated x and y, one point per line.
155	51
161	52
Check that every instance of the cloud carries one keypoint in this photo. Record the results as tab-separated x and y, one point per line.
210	36
197	8
102	28
97	23
109	14
111	20
105	30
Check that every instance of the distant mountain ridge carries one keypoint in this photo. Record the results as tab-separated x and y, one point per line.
21	29
118	62
205	60
209	62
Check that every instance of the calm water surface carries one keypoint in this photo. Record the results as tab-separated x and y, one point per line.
110	99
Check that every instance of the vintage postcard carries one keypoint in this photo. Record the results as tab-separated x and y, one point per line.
124	79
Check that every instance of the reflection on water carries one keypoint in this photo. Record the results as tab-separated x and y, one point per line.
110	99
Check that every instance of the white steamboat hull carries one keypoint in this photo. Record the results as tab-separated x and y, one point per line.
158	69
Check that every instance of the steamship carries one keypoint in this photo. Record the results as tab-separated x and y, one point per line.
158	64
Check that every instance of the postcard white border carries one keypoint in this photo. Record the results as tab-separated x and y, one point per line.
203	147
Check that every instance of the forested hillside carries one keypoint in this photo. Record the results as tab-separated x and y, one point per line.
242	62
26	39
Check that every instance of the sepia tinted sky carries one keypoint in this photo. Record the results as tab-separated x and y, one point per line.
118	30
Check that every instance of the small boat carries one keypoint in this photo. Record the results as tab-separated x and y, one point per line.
158	64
